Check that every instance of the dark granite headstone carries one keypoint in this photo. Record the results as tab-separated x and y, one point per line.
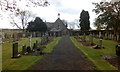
15	53
28	49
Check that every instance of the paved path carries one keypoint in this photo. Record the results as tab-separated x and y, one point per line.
64	57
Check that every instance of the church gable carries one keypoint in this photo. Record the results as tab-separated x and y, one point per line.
59	24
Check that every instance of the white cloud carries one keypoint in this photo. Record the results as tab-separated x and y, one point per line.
69	10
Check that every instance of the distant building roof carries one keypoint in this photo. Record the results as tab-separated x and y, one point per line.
55	30
56	26
49	24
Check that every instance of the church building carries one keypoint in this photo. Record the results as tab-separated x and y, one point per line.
57	28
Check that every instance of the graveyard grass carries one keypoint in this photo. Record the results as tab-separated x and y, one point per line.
94	55
25	61
50	46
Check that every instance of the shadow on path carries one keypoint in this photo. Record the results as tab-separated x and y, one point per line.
65	56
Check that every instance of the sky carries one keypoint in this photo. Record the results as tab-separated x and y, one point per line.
69	10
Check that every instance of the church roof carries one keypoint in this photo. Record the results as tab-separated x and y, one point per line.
49	24
58	25
55	30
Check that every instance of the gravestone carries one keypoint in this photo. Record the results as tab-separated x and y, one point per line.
91	39
14	37
118	37
24	49
106	35
15	53
34	46
29	49
84	37
100	43
100	35
112	37
30	41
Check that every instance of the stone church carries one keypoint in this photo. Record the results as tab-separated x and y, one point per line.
57	28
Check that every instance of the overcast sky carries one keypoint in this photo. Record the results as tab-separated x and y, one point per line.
69	10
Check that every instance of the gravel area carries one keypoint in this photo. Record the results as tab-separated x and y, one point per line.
65	56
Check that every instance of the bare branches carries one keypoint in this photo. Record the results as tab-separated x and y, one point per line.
12	7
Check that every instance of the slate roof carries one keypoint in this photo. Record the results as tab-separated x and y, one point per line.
56	26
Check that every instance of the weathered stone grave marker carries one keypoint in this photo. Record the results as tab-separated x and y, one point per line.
29	49
106	35
118	37
91	39
84	37
15	53
100	35
24	50
100	43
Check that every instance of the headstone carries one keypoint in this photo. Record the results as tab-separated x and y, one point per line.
30	41
118	50
91	39
100	34
112	37
29	49
15	51
105	35
100	43
14	37
84	37
24	49
118	37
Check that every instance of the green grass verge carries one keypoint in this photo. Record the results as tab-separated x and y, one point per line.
50	46
25	61
94	55
108	44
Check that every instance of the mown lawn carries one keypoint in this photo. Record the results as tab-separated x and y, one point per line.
94	55
25	61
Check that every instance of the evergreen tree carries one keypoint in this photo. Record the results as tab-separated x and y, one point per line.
84	20
37	25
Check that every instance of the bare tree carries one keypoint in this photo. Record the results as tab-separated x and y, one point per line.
13	10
